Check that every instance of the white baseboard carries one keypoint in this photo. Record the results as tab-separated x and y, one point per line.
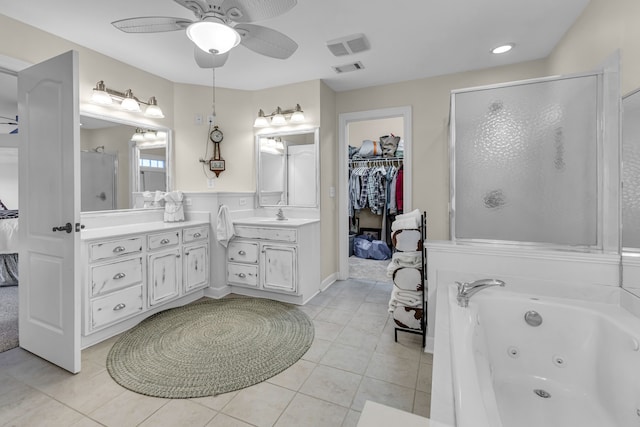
217	293
328	282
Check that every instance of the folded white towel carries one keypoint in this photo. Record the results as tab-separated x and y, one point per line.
407	221
404	259
400	297
173	210
224	227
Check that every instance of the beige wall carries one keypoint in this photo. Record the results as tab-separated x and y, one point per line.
374	129
604	27
328	175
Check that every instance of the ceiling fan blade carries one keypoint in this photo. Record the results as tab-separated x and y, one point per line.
255	10
151	24
266	41
209	60
199	7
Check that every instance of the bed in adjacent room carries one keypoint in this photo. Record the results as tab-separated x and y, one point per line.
8	246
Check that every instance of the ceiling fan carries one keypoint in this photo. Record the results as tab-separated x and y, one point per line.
220	26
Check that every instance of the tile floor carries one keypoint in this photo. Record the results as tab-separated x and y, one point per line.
353	359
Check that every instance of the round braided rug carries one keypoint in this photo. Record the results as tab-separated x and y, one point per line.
210	347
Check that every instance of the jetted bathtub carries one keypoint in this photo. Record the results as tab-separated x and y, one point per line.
579	367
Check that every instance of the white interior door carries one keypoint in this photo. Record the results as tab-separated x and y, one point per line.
49	158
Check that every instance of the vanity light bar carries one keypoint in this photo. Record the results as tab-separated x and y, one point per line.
104	96
278	117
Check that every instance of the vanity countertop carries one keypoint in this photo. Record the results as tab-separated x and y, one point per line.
270	222
136	228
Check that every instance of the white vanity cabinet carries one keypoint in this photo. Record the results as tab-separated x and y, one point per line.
115	278
279	261
135	270
195	258
165	267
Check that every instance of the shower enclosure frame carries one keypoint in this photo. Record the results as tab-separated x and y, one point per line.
607	160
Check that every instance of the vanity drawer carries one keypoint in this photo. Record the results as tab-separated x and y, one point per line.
117	275
104	250
243	251
116	306
163	240
266	233
242	274
195	233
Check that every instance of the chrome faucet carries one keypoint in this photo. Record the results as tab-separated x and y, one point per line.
467	290
280	215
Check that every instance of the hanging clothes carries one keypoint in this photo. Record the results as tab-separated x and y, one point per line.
399	190
376	190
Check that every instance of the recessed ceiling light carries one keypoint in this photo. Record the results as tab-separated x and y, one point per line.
503	49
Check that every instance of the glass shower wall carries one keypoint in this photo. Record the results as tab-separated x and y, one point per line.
525	162
631	173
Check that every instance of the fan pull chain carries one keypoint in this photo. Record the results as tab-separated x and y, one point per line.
213	97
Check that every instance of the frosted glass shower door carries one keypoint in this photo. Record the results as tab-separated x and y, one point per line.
524	162
631	173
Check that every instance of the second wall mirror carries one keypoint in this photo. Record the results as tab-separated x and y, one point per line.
288	168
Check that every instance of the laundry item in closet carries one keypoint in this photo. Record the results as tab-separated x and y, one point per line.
363	247
400	149
173	209
389	145
224	226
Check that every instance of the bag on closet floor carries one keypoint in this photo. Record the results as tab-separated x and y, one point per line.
373	249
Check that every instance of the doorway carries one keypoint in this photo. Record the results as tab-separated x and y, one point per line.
345	120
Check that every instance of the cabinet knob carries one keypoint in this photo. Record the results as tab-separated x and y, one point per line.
164	241
119	306
242	253
242	275
119	276
118	249
196	235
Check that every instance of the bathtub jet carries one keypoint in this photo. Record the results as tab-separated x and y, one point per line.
467	290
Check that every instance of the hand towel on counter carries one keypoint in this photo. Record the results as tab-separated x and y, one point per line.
224	227
158	198
173	210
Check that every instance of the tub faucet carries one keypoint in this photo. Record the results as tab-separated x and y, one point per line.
467	290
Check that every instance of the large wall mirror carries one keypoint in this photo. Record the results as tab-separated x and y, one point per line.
631	192
119	159
288	168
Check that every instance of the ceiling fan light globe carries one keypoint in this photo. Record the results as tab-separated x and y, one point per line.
213	37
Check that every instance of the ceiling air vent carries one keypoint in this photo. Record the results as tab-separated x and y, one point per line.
348	67
348	45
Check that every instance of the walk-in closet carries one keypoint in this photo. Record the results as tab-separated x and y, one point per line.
375	183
